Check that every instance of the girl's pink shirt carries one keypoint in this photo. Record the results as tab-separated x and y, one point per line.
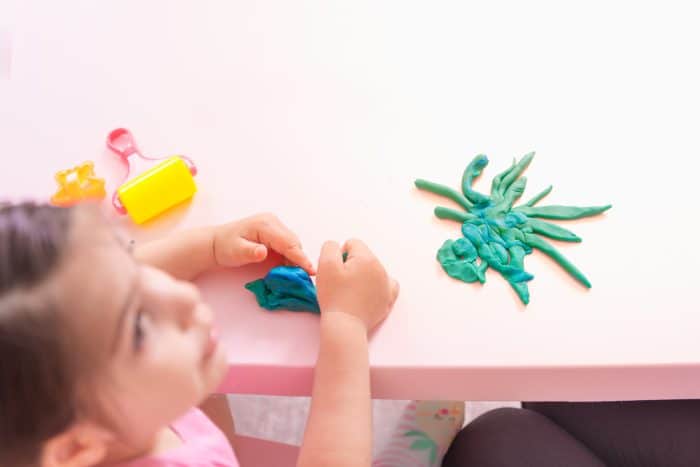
203	445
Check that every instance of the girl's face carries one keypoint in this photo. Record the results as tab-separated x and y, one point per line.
148	337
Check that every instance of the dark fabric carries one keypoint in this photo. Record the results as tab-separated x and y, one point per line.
633	434
511	437
612	434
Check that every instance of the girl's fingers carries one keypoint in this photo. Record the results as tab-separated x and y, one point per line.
246	252
285	242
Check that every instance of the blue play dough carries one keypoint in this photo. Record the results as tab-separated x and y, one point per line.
285	288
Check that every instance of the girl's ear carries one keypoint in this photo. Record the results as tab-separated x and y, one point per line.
82	445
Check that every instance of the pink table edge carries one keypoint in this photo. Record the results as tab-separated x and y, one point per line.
600	383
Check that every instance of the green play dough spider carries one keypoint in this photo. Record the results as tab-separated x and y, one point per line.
499	235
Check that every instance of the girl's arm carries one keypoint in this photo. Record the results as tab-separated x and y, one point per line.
189	253
339	430
354	297
184	255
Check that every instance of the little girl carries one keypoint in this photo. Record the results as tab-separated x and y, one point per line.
105	352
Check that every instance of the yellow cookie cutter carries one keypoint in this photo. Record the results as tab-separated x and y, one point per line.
78	184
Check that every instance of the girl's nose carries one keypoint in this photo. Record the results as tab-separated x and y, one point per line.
185	304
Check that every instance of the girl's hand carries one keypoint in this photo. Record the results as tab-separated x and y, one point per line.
247	241
359	287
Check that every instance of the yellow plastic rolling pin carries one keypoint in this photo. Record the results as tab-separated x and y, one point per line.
154	191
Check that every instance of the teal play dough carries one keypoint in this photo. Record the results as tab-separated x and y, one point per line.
497	235
285	288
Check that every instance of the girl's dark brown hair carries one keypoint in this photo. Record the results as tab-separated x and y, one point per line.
36	383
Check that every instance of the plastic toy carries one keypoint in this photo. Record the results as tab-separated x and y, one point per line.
155	190
78	184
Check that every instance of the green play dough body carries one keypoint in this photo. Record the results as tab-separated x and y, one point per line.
498	235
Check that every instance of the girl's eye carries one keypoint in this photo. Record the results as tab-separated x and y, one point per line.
139	331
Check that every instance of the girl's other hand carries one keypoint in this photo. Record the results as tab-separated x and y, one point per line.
359	286
248	240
